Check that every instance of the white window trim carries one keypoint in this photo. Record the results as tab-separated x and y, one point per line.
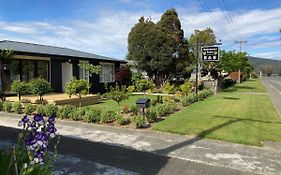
112	78
84	71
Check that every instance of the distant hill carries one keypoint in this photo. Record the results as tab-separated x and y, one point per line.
257	62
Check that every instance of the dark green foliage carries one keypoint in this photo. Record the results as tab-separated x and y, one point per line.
40	87
50	109
20	88
154	47
92	115
28	109
17	107
7	106
226	83
107	117
65	111
139	121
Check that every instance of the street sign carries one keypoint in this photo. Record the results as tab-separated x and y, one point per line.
210	53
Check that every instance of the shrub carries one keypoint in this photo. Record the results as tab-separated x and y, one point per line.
139	121
20	88
65	111
136	76
168	88
121	120
123	75
186	87
40	110
189	99
131	89
17	107
134	109
118	94
40	87
226	83
178	96
7	106
1	106
156	101
92	115
50	109
125	109
75	114
28	109
107	117
144	85
151	115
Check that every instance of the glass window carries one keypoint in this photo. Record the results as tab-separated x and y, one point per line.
83	74
107	73
42	69
28	70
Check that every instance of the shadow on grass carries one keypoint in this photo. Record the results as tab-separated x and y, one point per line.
236	88
199	137
248	119
231	98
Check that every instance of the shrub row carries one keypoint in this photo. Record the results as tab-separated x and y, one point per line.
192	98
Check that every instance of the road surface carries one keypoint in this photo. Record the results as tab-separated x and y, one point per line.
273	85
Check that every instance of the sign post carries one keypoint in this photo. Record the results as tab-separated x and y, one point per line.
210	53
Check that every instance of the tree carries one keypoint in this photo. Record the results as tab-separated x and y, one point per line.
40	87
117	94
204	37
5	55
123	75
78	88
20	88
90	68
266	69
158	48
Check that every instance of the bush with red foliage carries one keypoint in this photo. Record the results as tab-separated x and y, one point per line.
123	75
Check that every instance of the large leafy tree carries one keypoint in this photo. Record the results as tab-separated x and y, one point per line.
203	37
158	48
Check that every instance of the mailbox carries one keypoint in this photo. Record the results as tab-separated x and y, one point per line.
143	103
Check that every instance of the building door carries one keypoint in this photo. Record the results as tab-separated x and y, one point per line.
67	74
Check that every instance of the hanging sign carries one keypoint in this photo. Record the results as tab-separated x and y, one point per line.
210	53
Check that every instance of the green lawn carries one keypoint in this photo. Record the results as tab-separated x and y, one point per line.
110	105
234	116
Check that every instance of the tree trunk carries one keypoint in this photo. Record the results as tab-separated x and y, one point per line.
1	80
80	103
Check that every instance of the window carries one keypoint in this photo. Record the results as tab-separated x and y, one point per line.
83	74
107	73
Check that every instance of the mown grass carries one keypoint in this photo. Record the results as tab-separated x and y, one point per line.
233	116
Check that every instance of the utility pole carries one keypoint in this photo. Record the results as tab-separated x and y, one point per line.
197	61
241	43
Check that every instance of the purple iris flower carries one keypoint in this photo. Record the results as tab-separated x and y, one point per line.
24	120
51	119
38	136
39	119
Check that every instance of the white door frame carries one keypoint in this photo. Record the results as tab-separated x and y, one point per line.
67	74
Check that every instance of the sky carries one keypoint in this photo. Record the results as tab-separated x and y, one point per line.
102	26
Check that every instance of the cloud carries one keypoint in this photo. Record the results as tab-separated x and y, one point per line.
107	34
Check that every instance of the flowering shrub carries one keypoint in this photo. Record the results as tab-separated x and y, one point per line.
30	155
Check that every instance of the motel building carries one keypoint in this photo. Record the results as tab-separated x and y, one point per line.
55	64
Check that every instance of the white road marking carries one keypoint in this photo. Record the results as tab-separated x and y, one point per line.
275	81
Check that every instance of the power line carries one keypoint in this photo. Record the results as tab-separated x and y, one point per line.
228	19
229	12
206	9
241	43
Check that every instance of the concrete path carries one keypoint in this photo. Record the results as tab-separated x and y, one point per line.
210	153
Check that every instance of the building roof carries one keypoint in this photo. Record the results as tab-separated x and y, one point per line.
51	50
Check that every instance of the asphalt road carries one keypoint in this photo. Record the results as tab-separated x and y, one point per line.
273	85
135	161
